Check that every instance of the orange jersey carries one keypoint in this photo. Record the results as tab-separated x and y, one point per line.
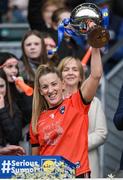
63	131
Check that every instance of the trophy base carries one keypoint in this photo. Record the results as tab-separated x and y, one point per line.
98	37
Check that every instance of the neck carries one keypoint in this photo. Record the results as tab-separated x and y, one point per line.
69	90
35	61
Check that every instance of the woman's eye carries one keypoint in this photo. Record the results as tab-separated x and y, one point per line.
28	44
37	44
54	84
44	87
1	85
75	69
65	69
9	66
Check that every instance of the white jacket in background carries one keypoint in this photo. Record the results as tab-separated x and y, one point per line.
97	135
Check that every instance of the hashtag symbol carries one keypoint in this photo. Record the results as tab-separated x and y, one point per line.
6	166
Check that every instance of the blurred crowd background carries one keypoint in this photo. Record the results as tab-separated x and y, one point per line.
17	17
31	14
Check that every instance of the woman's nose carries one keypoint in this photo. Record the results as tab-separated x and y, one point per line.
14	70
70	71
32	46
50	89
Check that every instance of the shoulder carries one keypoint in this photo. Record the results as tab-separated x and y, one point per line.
21	64
96	105
96	100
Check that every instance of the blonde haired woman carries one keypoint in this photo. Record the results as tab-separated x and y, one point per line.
73	77
60	126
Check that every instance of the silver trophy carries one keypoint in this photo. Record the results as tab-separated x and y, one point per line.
86	19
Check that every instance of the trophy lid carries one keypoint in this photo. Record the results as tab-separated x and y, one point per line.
84	12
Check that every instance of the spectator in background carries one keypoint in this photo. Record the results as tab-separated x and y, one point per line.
40	13
34	53
17	12
118	121
47	10
50	44
58	16
10	116
9	63
73	78
69	46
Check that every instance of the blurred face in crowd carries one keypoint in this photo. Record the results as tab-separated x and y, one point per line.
32	46
47	14
51	88
64	15
58	16
2	87
11	68
50	44
71	73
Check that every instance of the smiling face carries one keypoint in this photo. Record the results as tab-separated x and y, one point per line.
71	74
11	68
2	87
51	89
32	46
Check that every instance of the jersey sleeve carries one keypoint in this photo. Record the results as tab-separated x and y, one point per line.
79	103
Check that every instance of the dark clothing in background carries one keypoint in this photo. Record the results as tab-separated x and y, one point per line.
24	103
34	15
10	127
118	7
3	8
73	3
118	119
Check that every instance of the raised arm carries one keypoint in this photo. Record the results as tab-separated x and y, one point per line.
89	87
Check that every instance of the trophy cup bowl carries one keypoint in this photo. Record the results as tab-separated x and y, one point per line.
86	19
